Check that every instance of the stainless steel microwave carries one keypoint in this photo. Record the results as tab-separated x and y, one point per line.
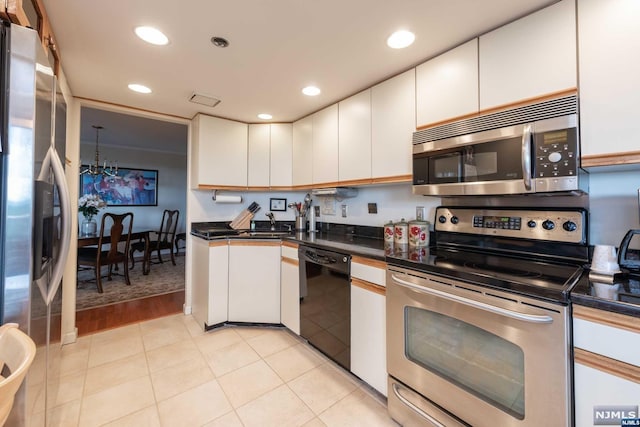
538	156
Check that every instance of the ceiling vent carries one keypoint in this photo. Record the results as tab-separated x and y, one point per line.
209	101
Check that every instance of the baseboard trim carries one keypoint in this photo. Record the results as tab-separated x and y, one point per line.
70	337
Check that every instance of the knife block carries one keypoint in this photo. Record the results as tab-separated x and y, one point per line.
242	221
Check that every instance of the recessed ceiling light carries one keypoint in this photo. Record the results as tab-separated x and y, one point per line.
311	91
265	116
139	88
400	39
219	41
152	35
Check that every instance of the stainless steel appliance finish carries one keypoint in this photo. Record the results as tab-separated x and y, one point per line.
469	344
35	217
535	150
478	329
325	302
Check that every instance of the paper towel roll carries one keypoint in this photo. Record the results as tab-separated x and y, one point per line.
219	198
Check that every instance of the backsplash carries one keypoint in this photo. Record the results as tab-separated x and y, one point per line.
613	206
394	202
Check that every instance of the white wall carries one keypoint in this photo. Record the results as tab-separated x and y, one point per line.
394	202
613	206
172	181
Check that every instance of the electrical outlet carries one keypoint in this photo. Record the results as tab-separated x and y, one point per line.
373	208
328	205
344	211
420	213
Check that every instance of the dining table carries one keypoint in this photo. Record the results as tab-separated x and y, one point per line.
84	241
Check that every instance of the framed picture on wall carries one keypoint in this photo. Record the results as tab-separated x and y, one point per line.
129	187
278	204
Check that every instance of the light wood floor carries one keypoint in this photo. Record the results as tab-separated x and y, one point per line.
112	316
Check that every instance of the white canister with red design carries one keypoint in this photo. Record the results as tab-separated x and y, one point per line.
388	233
401	232
418	233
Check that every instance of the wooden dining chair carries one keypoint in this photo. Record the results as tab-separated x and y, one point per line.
166	238
113	228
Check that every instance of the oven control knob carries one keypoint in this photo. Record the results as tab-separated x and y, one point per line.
454	220
548	224
442	219
531	224
345	259
569	226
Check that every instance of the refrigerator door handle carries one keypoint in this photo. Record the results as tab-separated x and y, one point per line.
52	161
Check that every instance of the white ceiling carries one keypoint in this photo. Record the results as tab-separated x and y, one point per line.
276	48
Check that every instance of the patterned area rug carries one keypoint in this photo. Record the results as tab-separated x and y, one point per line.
162	279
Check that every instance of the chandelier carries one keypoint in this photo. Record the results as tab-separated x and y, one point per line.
95	169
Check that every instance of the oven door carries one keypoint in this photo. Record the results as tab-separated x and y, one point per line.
487	357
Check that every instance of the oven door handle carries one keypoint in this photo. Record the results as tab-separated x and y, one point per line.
429	418
531	318
526	157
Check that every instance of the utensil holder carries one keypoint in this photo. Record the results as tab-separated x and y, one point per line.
301	223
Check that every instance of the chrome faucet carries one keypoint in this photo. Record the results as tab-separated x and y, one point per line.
272	219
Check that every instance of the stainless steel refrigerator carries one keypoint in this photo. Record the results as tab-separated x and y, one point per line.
34	212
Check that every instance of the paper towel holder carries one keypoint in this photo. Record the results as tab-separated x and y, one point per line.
214	196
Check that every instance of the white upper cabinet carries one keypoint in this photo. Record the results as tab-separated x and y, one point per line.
302	167
609	37
530	57
393	112
354	137
325	145
270	155
259	155
219	152
281	155
447	86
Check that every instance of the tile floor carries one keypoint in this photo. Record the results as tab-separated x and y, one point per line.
167	372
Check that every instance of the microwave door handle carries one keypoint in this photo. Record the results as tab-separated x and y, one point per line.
526	156
531	318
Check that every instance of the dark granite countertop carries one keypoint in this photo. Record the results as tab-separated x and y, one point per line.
622	297
354	245
351	239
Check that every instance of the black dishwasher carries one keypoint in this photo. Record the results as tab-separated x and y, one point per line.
325	302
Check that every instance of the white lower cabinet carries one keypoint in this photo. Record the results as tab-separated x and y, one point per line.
209	280
368	322
290	288
606	366
598	392
368	338
254	281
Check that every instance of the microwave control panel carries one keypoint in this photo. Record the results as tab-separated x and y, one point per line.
556	153
555	160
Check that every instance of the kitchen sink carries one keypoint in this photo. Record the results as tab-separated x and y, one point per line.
265	233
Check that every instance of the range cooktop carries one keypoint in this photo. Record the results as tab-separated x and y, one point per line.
533	252
536	278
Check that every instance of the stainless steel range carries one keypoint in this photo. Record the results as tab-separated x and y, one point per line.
478	327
